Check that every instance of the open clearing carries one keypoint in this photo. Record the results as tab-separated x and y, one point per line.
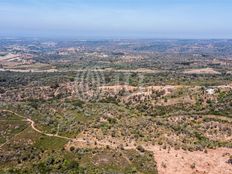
202	71
170	161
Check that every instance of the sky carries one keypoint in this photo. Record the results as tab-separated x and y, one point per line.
117	18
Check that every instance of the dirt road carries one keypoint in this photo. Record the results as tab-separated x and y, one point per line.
32	123
169	161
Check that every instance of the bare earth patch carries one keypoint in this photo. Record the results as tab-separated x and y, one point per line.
183	162
173	101
202	71
170	161
139	70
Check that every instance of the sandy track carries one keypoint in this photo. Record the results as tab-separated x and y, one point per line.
32	124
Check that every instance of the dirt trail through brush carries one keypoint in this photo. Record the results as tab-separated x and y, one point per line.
32	123
169	161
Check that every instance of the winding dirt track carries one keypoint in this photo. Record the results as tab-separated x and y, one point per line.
32	123
168	161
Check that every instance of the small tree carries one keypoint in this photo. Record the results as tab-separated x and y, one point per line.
230	160
140	148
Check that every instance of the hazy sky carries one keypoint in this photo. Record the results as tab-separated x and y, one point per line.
117	18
